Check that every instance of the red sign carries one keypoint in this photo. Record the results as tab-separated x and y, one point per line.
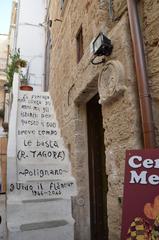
141	195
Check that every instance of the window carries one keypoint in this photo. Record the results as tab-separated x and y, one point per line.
79	42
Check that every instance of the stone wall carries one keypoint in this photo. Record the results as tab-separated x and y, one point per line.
151	39
72	85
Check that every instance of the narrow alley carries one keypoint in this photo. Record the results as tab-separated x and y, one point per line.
79	125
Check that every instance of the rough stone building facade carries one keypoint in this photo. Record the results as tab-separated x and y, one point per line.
3	64
74	85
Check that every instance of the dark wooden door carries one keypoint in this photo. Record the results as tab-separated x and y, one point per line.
97	171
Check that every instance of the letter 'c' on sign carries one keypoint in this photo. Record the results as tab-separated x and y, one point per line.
133	161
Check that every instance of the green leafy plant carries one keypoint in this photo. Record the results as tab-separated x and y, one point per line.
14	67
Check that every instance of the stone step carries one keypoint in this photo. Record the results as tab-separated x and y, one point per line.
51	233
48	189
31	171
32	212
35	154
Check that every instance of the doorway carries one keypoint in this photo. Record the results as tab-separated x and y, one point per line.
97	171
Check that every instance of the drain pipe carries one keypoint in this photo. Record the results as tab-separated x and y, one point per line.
142	79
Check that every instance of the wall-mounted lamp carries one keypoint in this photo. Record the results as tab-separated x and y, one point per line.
101	47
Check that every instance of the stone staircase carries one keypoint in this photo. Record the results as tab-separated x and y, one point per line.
39	180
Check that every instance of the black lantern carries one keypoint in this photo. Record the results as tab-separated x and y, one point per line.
102	45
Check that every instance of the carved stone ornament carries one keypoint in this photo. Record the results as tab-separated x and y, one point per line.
111	82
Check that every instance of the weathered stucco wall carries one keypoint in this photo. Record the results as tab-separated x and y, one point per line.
72	85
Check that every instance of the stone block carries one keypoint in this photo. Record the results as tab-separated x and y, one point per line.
30	212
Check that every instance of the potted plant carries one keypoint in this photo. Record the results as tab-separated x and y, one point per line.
14	66
24	83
